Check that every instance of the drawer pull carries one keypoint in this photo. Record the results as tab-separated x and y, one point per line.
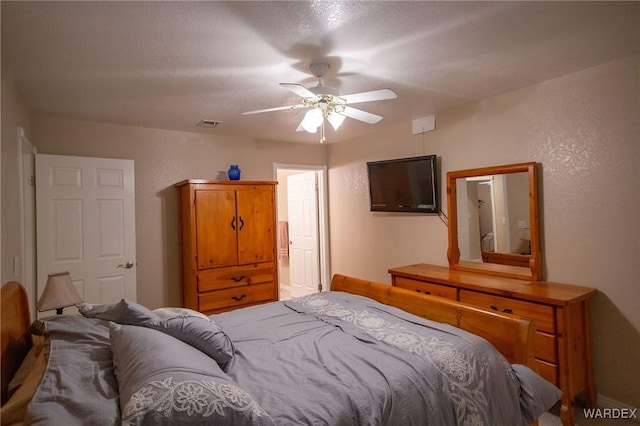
238	298
237	279
505	310
421	291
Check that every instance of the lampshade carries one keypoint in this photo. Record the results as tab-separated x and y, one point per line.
58	293
312	120
335	119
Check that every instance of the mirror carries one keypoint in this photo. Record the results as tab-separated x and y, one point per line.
493	221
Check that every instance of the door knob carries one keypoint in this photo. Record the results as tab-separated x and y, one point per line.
127	265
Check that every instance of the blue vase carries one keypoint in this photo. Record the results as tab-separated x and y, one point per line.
234	172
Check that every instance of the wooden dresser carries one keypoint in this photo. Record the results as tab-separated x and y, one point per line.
562	345
228	243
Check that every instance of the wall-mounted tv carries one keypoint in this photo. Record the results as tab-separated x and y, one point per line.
404	185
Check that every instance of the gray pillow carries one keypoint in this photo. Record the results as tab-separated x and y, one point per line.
536	394
125	312
203	334
163	382
195	330
170	312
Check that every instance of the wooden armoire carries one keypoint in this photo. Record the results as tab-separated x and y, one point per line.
228	244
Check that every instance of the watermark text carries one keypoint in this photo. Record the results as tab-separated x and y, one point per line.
611	413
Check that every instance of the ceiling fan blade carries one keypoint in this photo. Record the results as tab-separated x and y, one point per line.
358	114
299	90
374	95
275	109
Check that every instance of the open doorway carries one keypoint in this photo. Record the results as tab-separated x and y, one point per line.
303	263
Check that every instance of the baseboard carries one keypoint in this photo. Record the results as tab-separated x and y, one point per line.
609	403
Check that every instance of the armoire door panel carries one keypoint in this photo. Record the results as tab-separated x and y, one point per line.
216	239
256	218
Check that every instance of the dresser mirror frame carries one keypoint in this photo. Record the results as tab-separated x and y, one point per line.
507	266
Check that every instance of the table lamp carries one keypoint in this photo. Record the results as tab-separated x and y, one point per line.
58	293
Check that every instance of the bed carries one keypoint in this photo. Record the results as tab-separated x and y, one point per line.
363	353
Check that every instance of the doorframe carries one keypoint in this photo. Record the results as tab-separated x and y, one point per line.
27	217
323	215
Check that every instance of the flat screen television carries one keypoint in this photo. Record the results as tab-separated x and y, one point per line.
404	185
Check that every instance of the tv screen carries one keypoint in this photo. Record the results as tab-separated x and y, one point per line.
404	185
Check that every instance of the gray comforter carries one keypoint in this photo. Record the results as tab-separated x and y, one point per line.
325	359
338	359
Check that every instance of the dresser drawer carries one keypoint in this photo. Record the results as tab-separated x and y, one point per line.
426	288
544	346
235	276
236	297
542	314
548	371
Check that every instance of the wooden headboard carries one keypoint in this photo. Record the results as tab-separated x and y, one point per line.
511	335
16	339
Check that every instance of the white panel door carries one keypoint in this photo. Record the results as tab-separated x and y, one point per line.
85	219
304	250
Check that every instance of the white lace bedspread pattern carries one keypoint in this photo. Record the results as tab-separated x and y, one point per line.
465	388
202	397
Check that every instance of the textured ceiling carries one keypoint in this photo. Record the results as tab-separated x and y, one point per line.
169	65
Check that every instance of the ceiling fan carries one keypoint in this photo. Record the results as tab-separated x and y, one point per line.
325	103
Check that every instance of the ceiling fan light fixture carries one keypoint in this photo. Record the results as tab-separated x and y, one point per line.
312	120
325	102
335	119
311	129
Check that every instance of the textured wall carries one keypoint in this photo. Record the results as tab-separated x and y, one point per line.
163	158
584	129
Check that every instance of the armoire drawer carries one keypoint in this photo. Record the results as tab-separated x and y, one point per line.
235	276
426	287
236	297
543	314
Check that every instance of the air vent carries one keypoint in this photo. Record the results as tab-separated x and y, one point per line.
210	124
